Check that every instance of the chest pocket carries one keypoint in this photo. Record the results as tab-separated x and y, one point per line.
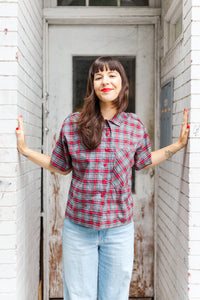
121	169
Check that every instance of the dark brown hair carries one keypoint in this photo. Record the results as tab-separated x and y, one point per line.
91	121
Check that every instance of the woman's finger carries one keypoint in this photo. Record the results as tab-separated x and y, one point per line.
20	122
185	117
185	121
184	129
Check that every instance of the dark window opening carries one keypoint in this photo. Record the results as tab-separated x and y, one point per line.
102	3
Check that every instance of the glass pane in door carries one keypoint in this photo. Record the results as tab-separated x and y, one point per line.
103	3
134	3
71	3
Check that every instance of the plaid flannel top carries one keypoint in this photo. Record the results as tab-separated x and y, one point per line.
100	194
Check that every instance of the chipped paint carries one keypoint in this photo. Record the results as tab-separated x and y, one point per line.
196	131
55	241
143	269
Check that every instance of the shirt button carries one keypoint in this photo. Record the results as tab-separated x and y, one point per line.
107	133
102	195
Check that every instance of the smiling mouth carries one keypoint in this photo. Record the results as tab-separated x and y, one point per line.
106	90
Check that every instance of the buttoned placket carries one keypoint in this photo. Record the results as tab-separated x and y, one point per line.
106	136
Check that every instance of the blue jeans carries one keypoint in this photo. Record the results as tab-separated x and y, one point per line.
97	263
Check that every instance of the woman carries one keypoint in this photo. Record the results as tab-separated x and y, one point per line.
100	145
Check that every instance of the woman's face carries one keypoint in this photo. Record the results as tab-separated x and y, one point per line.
107	85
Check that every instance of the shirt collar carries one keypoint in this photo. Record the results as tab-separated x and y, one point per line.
117	119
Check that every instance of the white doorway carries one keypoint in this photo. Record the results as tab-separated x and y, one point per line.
64	43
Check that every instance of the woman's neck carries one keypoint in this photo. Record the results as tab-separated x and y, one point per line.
108	112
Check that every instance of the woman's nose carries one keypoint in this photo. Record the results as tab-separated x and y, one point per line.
105	80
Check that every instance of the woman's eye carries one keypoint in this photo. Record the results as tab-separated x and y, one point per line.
112	75
97	78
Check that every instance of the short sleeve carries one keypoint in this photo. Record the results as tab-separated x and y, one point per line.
143	152
60	157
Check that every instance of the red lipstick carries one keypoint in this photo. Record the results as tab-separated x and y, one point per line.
106	90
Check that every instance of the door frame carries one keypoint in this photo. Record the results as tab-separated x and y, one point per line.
101	16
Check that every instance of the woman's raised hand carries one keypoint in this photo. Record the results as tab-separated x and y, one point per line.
21	143
184	134
162	154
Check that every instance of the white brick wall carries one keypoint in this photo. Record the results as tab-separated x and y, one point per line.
178	211
194	204
20	93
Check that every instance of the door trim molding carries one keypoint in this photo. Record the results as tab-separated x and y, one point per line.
110	15
92	16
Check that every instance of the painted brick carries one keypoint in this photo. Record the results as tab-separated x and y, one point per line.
8	155
8	256
9	40
195	103
195	130
187	7
8	54
8	112
194	262
8	97
7	83
20	93
7	213
8	68
195	3
8	170
7	270
194	203
8	199
9	9
9	23
195	56
7	242
195	160
195	88
194	145
178	212
7	227
7	140
194	276
10	296
7	285
195	219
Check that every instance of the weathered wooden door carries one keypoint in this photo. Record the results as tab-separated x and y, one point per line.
64	43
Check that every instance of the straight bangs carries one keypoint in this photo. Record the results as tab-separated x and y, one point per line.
105	62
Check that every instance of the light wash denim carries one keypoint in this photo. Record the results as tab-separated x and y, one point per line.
97	263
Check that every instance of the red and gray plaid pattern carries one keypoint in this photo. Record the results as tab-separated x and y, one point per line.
100	193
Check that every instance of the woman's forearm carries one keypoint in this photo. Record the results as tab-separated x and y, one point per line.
42	160
38	158
163	154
